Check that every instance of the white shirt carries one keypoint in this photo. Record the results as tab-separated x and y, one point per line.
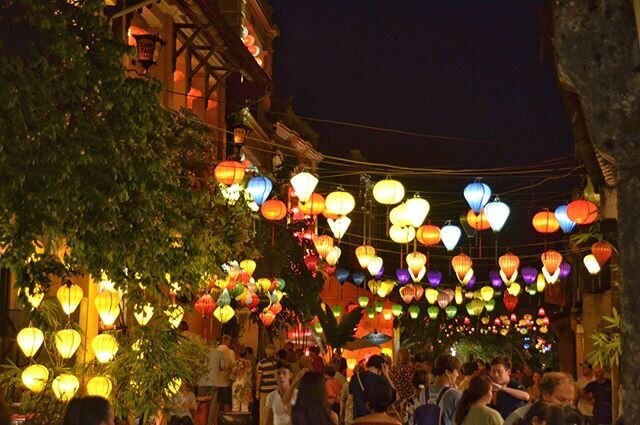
584	406
274	402
221	360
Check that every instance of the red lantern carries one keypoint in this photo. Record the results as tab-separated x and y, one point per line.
229	172
510	301
205	305
582	211
602	251
428	234
255	300
541	312
478	221
513	317
509	264
545	222
311	261
461	264
273	210
267	317
314	206
551	260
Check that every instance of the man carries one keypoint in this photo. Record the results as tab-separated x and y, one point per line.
316	359
508	394
598	392
223	360
556	388
276	412
291	353
586	376
442	392
376	371
206	387
266	380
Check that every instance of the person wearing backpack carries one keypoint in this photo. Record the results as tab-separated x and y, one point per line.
376	371
440	399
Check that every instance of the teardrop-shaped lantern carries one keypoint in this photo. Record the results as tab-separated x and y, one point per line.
565	270
592	264
333	256
104	347
495	279
582	211
551	278
398	216
529	275
403	276
304	184
339	202
323	245
434	277
259	188
450	235
108	305
443	300
414	311
477	195
374	265
29	340
602	251
451	311
461	264
478	221
342	274
407	293
388	192
428	234
415	262
545	222
69	297
487	293
566	224
510	301
417	277
417	210
551	260
509	264
365	253
35	377
432	312
497	213
431	295
67	342
339	226
402	235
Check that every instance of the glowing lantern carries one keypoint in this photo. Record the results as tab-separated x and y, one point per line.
304	184
592	264
205	305
69	297
396	309
545	222
385	288
428	234
339	226
509	264
67	342
318	327
416	262
407	293
99	386
387	314
273	210
34	297
378	306
444	298
459	297
108	306
174	313
333	256
401	234
229	172
475	307
65	386
496	213
337	311
451	311
510	301
248	266
267	317
490	305
529	275
418	277
342	274
496	279
581	211
358	278
478	221
563	220
340	202
431	295
477	195
461	264
259	188
363	301
144	315
486	292
35	377
351	363
403	276
398	216
602	252
323	245
433	312
419	291
29	340
313	206
551	260
565	270
514	289
365	253
414	311
224	313
105	347
371	313
374	265
450	235
417	210
541	283
388	192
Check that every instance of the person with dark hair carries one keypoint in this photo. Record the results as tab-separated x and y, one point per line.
534	389
556	388
316	359
440	399
408	406
277	413
333	388
379	398
88	411
401	373
536	414
311	406
281	355
509	393
376	372
266	380
341	371
472	408
598	392
542	413
468	370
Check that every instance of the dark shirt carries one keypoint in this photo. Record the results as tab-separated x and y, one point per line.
506	403
368	379
601	400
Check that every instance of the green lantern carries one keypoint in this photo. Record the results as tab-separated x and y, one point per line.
371	312
490	305
318	327
433	312
337	310
396	309
451	311
532	290
414	311
477	306
363	301
378	306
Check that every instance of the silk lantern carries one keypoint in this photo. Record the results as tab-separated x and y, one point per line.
30	340
551	260
396	310
407	293
99	386
451	311
365	253
358	278
601	250
104	347
403	276
224	313
529	275
592	264
323	245
461	264
431	295
339	226
229	172
342	274
108	305
378	306
205	305
433	312
477	195
434	277
477	221
497	213
428	234
69	297
509	264
65	386
401	235
314	206
259	188
510	301
541	283
339	202
273	210
495	279
414	311
565	270
545	222
487	293
35	377
566	224
582	211
363	301
417	210
333	256
388	192
415	262
374	265
450	235
304	184
67	342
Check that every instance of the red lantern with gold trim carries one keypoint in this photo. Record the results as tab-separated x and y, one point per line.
551	260
582	211
602	251
428	234
461	264
545	222
229	172
509	264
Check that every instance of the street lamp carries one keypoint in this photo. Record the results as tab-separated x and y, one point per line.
148	47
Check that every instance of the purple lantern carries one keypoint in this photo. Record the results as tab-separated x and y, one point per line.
380	273
565	270
471	282
496	280
529	275
342	274
434	277
358	278
403	276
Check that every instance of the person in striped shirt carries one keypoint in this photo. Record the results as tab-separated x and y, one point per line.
266	380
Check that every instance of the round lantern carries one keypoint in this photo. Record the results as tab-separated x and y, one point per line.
388	192
304	184
416	262
477	195
104	347
417	210
363	301
414	311
99	386
398	216
69	297
323	245
428	234
35	377
551	260
582	211
565	270
509	264
450	235
486	292
340	202
205	305
592	264
229	172
29	340
174	313
224	313
65	386
433	312
273	210
461	264
108	306
396	310
333	256
478	221
510	301
143	315
545	222
476	306
434	277
602	252
365	253
259	188
563	220
401	234
67	342
497	213
313	206
267	317
514	289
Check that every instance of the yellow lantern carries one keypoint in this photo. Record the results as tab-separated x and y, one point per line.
385	288
67	342
431	295
34	298
105	347
175	313
248	266
591	263
541	283
459	297
323	245
263	285
387	314
224	314
388	192
416	261
398	215
333	256
108	306
387	352
365	253
100	386
339	226
486	292
304	184
29	340
143	316
417	210
351	363
65	386
339	202
173	387
69	297
402	234
35	377
514	289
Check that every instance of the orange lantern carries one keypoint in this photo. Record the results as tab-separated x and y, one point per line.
551	260
365	253
323	245
582	211
407	293
478	221
602	251
276	308
509	264
416	261
545	222
273	210
461	264
313	206
419	292
267	317
428	234
229	172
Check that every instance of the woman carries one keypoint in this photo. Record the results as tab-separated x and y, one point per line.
401	374
379	398
311	406
409	405
88	411
472	408
533	390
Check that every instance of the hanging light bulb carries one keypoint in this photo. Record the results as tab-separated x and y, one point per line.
339	226
67	342
563	220
497	213
477	195
30	340
591	263
104	347
450	236
304	184
388	192
69	297
402	234
417	210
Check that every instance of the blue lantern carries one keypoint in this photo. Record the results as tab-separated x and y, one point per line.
358	278
403	276
529	275
477	195
434	277
259	189
565	222
342	274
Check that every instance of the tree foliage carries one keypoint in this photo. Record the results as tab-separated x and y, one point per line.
606	343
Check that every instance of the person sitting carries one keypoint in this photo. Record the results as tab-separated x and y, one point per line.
379	398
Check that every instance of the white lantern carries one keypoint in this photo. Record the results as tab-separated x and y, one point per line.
333	256
339	226
402	234
450	235
398	215
497	213
388	192
304	184
417	210
591	263
375	265
339	202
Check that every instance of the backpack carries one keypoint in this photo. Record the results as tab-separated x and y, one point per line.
429	413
